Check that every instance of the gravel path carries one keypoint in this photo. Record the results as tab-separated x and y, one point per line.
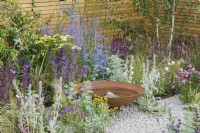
130	119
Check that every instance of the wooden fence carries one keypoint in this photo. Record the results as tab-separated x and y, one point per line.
50	10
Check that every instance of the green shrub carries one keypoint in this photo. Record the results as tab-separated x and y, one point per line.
16	35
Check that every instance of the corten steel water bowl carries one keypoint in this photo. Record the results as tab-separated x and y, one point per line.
126	92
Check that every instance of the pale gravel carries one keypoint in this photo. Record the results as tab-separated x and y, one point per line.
130	119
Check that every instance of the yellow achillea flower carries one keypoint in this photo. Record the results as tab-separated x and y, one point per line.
112	110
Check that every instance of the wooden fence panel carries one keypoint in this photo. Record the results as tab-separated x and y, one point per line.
51	9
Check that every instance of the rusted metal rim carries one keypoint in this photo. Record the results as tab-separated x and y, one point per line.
110	85
127	92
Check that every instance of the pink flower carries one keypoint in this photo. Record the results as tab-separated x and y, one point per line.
23	122
184	81
190	66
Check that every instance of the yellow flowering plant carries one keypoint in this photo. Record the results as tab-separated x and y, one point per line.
101	103
50	45
84	113
56	42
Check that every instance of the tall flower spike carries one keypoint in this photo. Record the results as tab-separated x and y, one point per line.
154	61
131	69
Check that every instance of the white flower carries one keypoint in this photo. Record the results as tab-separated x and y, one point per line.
173	62
169	63
17	96
193	69
181	69
166	68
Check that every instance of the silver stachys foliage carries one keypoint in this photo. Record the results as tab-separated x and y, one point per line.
148	101
54	126
32	111
129	69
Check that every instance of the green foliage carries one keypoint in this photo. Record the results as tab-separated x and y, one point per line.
168	82
48	46
196	56
8	120
116	69
88	115
189	84
31	110
148	101
190	92
6	53
188	124
151	28
16	35
139	60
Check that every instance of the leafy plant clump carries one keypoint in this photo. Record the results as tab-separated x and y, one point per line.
189	80
84	114
148	101
116	69
70	112
16	35
188	124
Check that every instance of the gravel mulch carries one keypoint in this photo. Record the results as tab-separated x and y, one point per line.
130	119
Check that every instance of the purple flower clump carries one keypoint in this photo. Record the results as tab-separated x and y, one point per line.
26	79
120	46
185	76
7	74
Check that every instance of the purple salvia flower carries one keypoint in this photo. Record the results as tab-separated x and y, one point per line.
64	59
54	66
85	69
64	74
25	77
7	74
69	78
60	115
74	96
74	56
71	68
77	68
80	75
61	52
67	109
50	119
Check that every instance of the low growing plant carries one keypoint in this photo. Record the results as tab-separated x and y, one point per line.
168	82
8	118
188	124
84	114
32	111
189	80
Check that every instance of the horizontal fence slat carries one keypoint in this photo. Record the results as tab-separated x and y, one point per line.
101	10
